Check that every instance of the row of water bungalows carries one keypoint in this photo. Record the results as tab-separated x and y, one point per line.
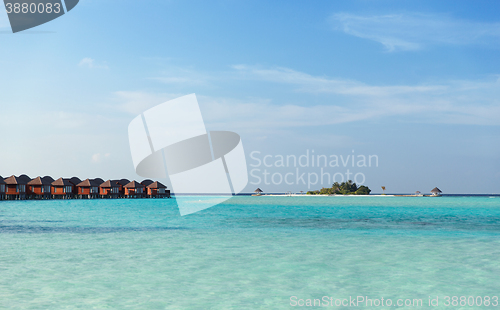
23	187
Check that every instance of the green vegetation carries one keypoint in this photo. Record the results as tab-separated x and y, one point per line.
344	188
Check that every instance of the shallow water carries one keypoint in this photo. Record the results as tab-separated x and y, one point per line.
247	253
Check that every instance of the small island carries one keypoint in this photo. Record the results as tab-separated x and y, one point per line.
344	188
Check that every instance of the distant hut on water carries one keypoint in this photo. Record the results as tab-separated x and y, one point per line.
436	191
258	192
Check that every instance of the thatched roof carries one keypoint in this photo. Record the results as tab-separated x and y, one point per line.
62	182
13	180
134	184
258	190
436	190
109	183
84	183
1	180
156	185
41	181
36	181
89	183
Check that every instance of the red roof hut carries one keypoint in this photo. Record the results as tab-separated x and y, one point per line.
109	189
40	188
156	189
62	188
88	188
122	184
134	190
15	187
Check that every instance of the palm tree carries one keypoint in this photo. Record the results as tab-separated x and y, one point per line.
383	188
336	187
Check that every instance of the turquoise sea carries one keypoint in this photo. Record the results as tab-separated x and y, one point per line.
251	253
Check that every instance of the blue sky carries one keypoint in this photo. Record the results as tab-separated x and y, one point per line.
415	83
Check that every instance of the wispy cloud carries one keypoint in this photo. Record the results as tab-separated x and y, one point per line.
407	32
98	157
91	63
262	115
317	84
345	101
457	102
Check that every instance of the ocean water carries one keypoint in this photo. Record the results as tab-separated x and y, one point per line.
251	253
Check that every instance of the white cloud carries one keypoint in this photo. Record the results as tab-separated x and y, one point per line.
98	158
406	32
457	102
262	115
91	63
316	84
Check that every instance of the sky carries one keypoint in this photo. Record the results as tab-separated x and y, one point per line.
415	85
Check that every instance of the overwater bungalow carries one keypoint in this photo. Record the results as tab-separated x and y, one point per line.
89	188
15	187
436	191
2	189
40	188
109	189
157	190
122	184
23	187
62	189
134	190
